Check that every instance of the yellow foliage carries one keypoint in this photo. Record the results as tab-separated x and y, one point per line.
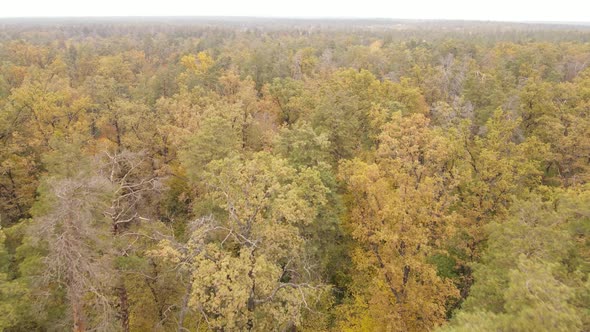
198	64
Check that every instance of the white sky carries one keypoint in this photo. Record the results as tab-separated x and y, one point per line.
498	10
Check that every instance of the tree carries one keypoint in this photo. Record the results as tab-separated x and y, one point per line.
41	110
134	189
286	94
75	235
302	146
493	169
219	136
533	274
247	258
69	252
11	291
399	215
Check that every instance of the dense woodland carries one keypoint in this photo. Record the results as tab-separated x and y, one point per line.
268	175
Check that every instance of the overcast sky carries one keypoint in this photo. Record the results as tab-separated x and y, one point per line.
497	10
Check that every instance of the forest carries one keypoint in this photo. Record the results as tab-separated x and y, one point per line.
186	174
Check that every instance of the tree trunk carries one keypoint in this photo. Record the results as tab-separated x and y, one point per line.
79	324
123	307
184	308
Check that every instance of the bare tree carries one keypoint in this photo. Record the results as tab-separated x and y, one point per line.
135	186
78	256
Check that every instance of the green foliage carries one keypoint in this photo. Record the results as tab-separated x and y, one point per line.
527	279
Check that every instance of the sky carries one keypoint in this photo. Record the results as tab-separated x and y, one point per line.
486	10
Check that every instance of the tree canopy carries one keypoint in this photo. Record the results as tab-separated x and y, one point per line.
297	175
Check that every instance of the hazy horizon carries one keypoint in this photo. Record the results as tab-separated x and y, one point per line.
566	11
221	19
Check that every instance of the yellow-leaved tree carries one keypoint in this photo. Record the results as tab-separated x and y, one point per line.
398	216
246	257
